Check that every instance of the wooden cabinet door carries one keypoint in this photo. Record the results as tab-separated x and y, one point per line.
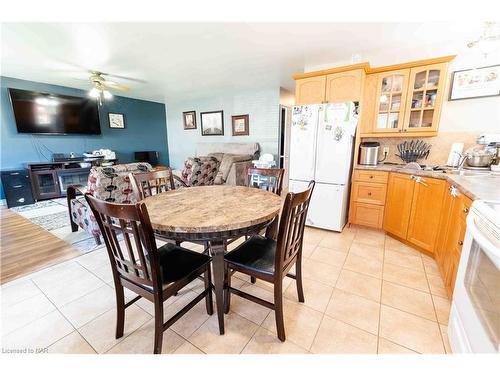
368	104
425	212
390	101
310	90
444	224
398	204
424	99
344	86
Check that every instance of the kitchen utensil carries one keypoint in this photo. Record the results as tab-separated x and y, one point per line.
414	150
477	160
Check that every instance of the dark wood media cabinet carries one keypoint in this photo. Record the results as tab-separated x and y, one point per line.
51	179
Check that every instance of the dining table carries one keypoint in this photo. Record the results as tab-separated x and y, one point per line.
214	215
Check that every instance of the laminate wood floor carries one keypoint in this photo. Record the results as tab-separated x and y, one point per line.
26	247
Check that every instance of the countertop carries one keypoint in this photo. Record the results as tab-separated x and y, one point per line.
481	186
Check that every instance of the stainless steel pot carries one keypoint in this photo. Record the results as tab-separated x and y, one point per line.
479	160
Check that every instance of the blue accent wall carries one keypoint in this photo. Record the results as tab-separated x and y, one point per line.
145	129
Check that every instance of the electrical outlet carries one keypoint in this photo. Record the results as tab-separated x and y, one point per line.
386	150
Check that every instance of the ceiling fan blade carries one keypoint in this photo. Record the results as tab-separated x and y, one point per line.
115	86
124	77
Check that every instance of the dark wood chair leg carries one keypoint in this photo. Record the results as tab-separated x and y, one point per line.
97	239
120	310
208	285
227	293
298	278
278	310
74	227
253	279
158	325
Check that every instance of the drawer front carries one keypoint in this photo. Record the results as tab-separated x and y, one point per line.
370	215
366	192
370	176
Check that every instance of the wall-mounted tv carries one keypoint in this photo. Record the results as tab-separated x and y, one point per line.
44	113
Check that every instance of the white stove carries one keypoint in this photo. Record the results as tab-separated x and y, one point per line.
474	325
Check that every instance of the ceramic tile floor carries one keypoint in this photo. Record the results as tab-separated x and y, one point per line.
365	293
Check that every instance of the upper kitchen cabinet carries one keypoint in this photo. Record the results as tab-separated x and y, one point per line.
331	85
310	90
390	101
344	86
425	96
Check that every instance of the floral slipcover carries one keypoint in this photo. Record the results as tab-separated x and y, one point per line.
110	184
200	171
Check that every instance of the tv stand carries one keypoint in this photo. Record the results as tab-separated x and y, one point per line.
51	179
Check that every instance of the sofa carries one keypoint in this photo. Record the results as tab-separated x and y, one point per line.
111	184
234	160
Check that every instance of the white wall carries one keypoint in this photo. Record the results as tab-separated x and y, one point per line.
262	106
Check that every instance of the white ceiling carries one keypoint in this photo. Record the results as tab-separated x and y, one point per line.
179	61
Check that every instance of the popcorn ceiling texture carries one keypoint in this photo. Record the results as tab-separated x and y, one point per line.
440	149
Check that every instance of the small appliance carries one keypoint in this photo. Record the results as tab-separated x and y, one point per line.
368	153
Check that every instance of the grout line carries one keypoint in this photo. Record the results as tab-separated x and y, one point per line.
380	304
67	320
435	314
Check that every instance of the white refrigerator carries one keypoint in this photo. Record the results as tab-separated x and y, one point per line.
321	146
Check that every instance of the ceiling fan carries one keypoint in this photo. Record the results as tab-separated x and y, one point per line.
101	85
489	39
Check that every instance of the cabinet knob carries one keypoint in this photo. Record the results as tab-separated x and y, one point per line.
369	193
460	242
371	176
466	210
405	130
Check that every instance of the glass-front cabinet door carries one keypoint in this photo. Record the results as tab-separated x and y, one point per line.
390	102
425	95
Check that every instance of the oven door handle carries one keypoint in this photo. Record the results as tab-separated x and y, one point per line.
486	245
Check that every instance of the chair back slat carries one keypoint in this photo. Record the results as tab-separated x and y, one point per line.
151	183
291	227
129	240
272	179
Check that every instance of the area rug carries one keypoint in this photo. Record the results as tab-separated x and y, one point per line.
53	216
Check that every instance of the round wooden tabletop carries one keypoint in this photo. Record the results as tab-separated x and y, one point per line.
209	209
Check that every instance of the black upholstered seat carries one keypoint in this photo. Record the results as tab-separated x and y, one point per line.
177	262
257	253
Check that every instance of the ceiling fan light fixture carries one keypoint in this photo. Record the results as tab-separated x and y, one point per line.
94	93
107	95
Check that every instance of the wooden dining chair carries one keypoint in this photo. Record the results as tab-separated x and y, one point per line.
270	260
151	183
272	179
137	264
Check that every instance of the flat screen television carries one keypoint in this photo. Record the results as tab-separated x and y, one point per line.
44	113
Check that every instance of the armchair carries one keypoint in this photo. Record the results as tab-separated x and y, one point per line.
110	184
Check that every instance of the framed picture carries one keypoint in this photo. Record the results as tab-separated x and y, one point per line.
189	120
475	83
240	125
212	123
116	120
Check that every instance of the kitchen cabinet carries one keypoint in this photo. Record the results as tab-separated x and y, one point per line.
390	101
451	235
425	97
407	102
398	204
412	209
427	203
368	194
344	86
310	90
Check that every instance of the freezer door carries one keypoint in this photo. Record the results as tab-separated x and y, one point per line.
328	207
303	142
336	129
